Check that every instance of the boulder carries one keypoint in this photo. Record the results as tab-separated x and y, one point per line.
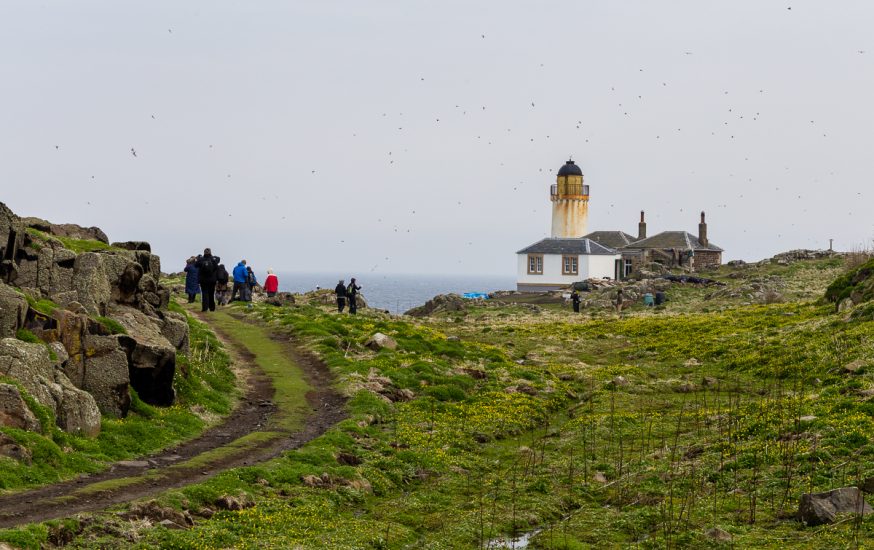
106	374
380	341
14	412
281	299
91	283
174	327
9	448
133	245
821	508
13	308
151	357
11	239
718	534
30	365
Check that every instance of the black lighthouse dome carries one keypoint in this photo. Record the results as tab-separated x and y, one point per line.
570	169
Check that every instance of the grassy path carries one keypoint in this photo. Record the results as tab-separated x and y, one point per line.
281	410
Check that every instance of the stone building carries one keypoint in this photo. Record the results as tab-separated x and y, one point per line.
570	254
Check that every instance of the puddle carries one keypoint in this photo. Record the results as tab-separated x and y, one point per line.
522	541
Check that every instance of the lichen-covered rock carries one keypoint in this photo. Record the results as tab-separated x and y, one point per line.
822	508
14	412
91	283
106	375
70	230
30	365
13	308
174	327
151	357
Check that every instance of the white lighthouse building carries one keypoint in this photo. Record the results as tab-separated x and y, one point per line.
566	256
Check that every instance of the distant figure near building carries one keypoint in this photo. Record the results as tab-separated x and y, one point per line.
340	291
352	295
271	284
240	277
207	266
620	302
192	281
575	300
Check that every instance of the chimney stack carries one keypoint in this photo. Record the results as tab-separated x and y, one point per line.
702	231
641	227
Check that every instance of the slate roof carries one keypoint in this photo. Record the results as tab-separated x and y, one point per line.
681	240
612	239
580	245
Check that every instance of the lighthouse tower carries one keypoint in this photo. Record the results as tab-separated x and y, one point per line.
570	202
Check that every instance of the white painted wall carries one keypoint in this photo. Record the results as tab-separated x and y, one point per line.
590	266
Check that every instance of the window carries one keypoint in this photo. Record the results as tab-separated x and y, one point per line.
535	264
570	265
629	266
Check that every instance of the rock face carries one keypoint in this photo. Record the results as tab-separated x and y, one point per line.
84	365
821	508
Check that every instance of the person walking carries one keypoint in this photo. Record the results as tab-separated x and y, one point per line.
340	291
240	275
222	292
575	300
207	266
192	282
352	295
251	283
271	283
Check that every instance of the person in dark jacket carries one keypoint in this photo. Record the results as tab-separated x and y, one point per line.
222	292
340	291
251	283
575	300
351	295
207	266
192	283
240	276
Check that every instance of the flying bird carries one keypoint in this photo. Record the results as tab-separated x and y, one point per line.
133	151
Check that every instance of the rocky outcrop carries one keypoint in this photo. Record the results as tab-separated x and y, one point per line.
857	285
822	508
31	365
69	230
74	291
441	303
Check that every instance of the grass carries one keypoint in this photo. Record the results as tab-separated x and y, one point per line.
721	418
113	326
75	245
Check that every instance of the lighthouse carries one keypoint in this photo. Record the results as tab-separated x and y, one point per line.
570	203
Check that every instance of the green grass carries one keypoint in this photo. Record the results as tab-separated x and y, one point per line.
723	419
43	305
113	326
75	245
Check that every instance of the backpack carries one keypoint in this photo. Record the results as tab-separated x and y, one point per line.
207	267
222	275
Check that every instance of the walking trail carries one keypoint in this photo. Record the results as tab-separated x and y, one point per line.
288	402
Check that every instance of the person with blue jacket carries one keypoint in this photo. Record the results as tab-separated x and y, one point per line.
192	283
241	278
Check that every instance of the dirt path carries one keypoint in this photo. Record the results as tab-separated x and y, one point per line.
257	430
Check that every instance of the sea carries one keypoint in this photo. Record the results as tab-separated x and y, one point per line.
398	293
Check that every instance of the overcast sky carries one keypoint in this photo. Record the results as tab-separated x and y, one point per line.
422	137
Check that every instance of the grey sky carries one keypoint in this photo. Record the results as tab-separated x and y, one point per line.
305	136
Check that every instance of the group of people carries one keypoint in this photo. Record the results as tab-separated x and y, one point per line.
347	293
207	276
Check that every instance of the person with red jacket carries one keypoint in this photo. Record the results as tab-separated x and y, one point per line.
271	284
